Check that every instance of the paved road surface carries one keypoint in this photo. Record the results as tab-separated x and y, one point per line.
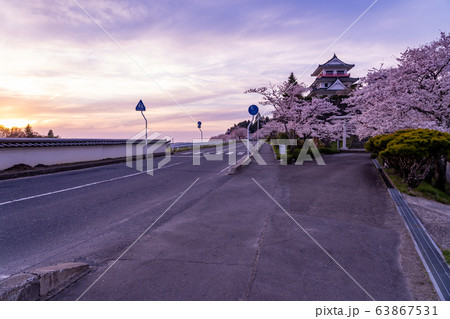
89	223
225	239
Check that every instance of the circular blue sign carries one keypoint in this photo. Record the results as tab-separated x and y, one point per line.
253	109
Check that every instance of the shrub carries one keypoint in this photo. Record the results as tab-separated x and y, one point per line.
378	143
326	150
296	153
414	154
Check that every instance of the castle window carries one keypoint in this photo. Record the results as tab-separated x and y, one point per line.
329	73
340	72
326	85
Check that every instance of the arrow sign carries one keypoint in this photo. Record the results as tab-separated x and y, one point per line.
253	109
140	106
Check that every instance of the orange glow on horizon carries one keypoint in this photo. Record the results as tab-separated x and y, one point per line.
20	123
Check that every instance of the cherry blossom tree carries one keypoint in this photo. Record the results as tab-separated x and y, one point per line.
415	94
283	98
239	133
294	114
313	119
271	128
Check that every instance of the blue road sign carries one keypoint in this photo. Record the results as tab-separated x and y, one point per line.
140	106
199	124
253	109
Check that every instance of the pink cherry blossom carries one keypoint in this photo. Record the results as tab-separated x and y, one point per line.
415	94
294	114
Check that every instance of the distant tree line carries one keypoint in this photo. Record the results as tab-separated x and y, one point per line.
26	132
254	127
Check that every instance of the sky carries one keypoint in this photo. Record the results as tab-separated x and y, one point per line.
188	60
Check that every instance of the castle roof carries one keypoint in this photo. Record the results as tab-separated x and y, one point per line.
332	79
334	63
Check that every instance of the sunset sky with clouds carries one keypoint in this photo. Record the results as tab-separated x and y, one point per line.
60	71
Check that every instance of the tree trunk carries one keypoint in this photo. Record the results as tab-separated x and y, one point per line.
439	173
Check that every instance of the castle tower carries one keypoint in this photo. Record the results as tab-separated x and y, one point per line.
332	78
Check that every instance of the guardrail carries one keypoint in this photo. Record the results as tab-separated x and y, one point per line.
178	146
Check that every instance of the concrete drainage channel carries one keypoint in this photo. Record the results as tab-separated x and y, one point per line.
428	251
41	283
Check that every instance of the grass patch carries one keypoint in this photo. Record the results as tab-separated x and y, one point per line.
182	149
424	190
292	156
327	150
333	146
446	254
434	193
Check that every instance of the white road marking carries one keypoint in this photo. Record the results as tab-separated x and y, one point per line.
314	240
224	169
171	205
84	185
108	180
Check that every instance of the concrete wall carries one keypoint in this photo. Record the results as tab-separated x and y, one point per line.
10	156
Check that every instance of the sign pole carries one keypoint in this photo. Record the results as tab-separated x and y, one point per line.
141	107
146	145
199	125
253	110
248	136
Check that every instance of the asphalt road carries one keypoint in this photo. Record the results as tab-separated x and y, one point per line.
269	233
89	214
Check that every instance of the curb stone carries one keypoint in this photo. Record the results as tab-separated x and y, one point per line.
244	161
41	283
233	169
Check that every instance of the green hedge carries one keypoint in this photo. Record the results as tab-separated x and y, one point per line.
414	154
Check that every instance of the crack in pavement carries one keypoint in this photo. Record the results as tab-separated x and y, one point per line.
256	259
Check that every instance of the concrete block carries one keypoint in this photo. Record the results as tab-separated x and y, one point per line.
20	287
41	283
55	278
